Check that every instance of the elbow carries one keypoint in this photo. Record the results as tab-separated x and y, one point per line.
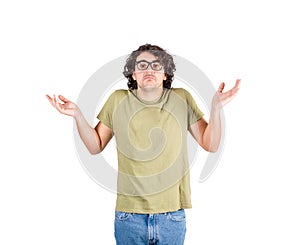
95	151
210	148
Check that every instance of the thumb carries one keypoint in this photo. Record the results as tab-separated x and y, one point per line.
221	87
63	99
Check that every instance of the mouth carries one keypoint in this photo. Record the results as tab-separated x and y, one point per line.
147	77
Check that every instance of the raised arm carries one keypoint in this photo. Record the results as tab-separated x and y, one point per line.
208	135
95	139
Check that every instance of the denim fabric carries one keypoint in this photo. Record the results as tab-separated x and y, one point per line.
155	229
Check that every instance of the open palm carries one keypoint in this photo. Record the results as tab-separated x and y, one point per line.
221	98
63	105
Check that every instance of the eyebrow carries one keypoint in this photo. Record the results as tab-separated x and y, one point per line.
148	61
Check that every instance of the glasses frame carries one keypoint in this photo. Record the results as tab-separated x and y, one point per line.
149	63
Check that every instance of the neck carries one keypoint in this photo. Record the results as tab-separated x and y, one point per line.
149	94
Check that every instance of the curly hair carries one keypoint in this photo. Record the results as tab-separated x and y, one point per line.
165	59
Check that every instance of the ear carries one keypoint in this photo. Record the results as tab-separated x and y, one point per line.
133	76
165	77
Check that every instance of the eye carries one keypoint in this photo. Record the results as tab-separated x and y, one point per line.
142	65
156	66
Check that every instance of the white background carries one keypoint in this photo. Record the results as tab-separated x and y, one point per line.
55	46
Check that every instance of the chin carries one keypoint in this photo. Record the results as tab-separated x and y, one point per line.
149	85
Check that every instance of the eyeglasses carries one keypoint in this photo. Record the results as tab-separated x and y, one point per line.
144	64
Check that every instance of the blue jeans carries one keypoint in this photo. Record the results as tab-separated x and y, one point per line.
155	229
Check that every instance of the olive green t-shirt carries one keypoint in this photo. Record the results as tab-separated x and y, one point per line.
151	141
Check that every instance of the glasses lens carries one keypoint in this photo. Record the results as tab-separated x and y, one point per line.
156	66
142	65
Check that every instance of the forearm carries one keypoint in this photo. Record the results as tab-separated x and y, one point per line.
213	132
87	133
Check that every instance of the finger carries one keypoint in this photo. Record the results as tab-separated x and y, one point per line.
236	87
237	83
63	99
221	87
51	100
57	104
54	98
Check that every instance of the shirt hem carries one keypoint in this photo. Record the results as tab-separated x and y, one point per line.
154	211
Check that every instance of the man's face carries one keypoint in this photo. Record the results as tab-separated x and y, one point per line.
148	73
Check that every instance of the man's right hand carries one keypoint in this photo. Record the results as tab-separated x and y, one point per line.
63	105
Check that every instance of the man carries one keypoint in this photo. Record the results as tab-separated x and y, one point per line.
150	121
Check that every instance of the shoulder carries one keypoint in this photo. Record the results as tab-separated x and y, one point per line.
118	94
115	97
182	92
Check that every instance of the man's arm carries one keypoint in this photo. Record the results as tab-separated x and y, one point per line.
208	135
95	139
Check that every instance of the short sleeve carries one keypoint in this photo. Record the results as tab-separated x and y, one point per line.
194	113
105	114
